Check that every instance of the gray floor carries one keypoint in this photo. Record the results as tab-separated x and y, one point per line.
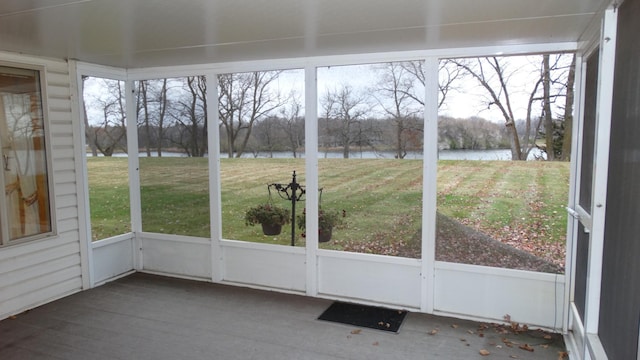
151	317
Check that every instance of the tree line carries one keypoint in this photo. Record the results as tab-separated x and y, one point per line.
255	115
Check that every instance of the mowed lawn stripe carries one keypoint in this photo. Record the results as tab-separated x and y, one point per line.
381	196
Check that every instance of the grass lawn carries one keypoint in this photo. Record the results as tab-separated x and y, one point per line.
511	201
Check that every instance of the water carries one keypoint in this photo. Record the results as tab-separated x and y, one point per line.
495	154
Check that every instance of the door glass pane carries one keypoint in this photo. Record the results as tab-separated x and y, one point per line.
582	263
107	166
589	131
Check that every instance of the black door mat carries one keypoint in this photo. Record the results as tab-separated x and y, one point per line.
364	316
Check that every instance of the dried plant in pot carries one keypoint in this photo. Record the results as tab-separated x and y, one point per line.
270	216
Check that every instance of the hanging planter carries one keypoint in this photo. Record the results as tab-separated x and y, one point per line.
271	229
271	218
325	236
327	220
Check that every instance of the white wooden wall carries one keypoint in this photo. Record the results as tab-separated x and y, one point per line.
39	271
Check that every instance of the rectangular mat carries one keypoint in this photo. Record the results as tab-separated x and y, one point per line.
364	316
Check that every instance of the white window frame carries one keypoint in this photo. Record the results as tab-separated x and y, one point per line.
5	238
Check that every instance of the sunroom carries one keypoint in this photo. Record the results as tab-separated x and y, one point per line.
356	112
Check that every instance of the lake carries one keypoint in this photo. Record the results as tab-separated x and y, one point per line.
495	154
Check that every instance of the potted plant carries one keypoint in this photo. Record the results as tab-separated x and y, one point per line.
271	218
327	220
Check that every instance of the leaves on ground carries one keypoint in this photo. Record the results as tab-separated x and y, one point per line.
526	347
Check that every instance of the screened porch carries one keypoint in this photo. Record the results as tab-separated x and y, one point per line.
163	128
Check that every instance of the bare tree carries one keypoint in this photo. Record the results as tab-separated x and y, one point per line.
568	111
493	75
245	98
448	77
545	86
143	113
293	123
546	107
397	96
107	131
190	117
89	131
558	80
160	95
348	110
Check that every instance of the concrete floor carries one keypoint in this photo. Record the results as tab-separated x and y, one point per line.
145	316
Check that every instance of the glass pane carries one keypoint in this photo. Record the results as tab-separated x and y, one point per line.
589	131
370	139
174	170
261	145
500	198
26	187
107	167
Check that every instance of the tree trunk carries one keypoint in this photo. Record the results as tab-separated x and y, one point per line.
568	113
145	108
548	120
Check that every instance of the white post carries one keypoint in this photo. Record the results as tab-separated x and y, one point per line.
134	172
82	182
215	198
430	167
311	164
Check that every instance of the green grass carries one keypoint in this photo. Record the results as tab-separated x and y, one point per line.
382	198
108	197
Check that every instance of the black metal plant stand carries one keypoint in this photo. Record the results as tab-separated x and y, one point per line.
294	193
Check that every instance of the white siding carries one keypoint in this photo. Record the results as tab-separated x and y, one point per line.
37	272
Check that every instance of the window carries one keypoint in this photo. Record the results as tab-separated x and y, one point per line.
174	169
370	144
25	212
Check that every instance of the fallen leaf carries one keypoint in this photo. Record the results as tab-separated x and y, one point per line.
507	342
526	347
356	331
375	343
484	352
548	337
454	326
433	332
563	355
